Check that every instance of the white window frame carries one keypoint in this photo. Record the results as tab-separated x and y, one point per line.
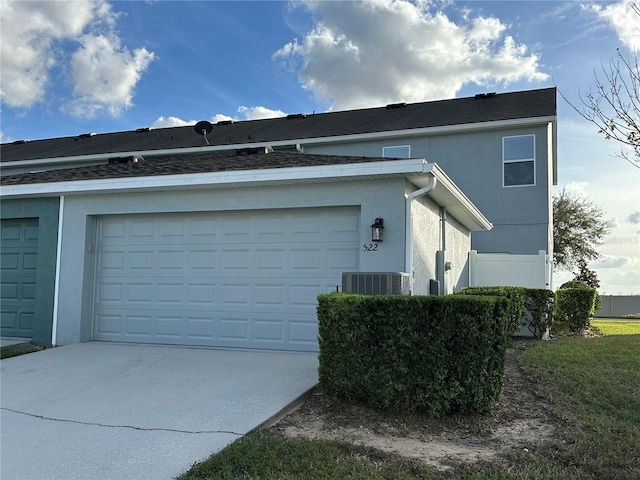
408	147
520	160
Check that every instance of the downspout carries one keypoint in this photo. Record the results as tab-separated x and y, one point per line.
299	148
441	261
408	262
56	288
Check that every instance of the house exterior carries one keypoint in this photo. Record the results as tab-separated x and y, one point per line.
231	250
498	149
359	165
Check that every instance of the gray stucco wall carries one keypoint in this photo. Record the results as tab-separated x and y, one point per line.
428	239
458	244
380	198
473	160
46	211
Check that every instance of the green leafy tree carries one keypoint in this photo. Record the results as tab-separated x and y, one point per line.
586	275
578	229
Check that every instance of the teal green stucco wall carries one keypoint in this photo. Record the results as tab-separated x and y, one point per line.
46	210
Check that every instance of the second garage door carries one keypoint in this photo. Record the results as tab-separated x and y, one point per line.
18	261
233	279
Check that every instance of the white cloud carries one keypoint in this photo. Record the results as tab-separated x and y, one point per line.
362	54
616	261
578	188
259	112
612	223
104	75
35	36
167	122
634	217
219	117
623	20
249	113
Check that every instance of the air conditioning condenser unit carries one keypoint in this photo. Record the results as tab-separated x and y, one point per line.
376	283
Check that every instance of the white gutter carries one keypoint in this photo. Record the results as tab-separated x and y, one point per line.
56	290
349	171
411	132
408	262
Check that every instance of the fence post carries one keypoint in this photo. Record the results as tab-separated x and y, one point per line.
473	263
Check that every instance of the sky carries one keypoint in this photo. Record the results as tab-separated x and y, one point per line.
72	67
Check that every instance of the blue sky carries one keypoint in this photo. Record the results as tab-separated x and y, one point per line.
75	67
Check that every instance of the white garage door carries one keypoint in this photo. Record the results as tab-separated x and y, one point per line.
240	279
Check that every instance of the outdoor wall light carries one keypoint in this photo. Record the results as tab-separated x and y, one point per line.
376	230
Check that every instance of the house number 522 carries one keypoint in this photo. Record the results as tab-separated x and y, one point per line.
370	247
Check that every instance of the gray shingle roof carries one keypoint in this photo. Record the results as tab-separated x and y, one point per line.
220	161
504	106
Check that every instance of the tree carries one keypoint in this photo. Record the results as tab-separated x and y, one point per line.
578	229
613	105
586	275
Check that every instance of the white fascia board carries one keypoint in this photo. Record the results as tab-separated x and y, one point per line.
426	131
410	132
448	195
220	179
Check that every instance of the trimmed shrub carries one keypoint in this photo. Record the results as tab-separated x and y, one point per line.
430	354
539	311
574	308
529	307
583	286
517	298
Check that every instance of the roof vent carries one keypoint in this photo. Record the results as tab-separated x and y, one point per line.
144	129
87	135
296	115
391	106
121	160
19	142
485	95
225	122
252	151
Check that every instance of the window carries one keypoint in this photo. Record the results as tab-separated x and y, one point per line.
400	151
518	161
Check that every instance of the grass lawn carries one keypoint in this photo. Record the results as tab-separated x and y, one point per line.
617	327
593	385
18	349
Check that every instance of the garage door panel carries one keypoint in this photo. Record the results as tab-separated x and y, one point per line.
170	327
108	325
254	294
241	279
341	260
18	272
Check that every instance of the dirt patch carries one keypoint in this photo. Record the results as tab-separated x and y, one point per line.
520	419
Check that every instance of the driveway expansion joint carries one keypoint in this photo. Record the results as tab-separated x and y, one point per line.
144	429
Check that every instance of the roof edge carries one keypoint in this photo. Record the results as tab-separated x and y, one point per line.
349	171
445	129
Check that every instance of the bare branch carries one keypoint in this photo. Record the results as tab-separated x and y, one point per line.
613	103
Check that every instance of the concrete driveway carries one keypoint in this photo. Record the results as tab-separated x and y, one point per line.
115	411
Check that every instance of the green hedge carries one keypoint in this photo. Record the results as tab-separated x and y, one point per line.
583	286
430	354
529	307
574	308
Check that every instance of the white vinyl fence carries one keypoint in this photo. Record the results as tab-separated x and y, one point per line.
503	269
499	270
